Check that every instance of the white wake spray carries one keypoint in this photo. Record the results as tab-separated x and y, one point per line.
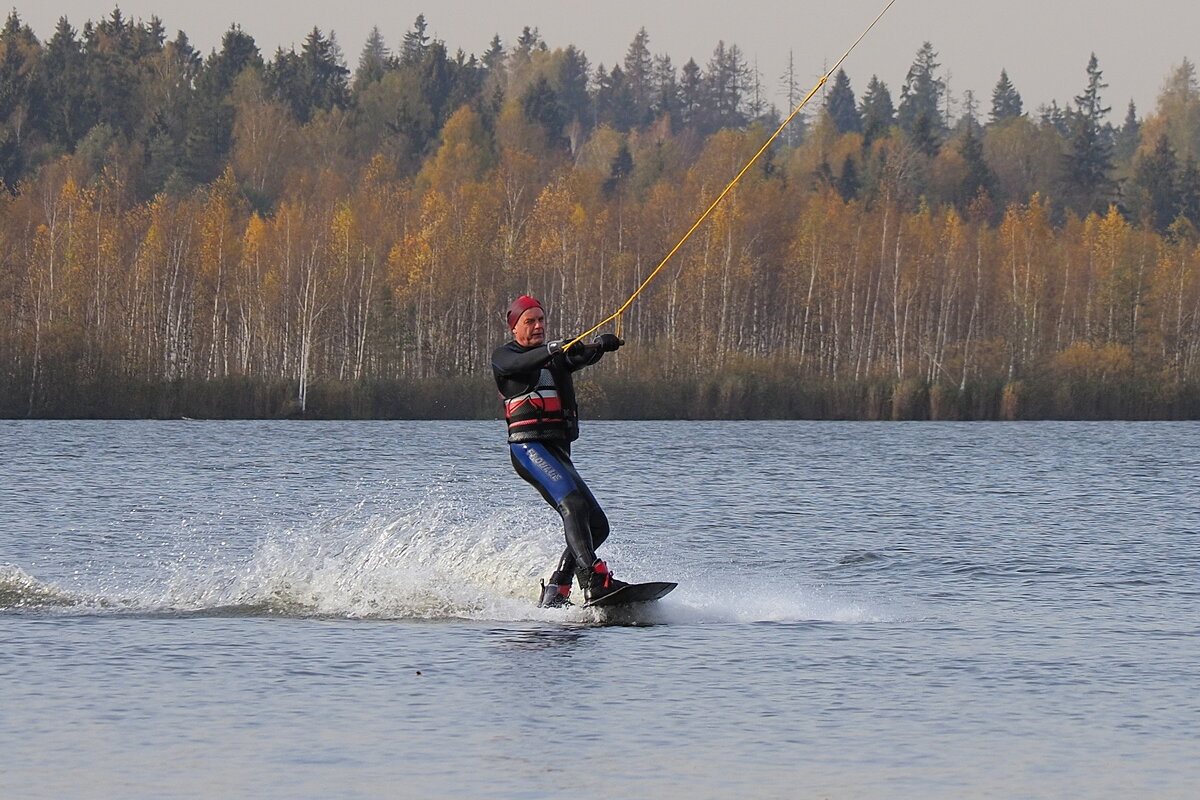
440	559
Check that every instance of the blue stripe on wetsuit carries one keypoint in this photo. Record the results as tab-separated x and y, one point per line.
543	465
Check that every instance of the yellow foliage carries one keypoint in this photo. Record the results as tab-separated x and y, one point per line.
1083	360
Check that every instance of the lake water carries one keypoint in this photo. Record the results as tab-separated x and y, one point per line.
345	609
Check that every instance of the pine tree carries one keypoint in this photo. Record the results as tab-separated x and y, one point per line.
848	183
311	80
639	73
170	98
691	93
665	99
621	167
1087	165
20	53
112	48
372	62
841	107
412	50
1129	136
210	126
572	83
1155	175
1189	190
725	81
540	105
920	114
878	113
529	40
1057	119
67	111
1006	100
493	58
979	178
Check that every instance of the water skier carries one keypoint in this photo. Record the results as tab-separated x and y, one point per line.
534	379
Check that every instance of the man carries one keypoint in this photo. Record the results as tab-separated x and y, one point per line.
534	379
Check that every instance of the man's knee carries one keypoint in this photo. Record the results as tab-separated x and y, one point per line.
575	506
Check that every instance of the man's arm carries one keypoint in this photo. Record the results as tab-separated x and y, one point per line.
507	362
585	355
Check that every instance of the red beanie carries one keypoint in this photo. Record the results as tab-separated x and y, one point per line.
518	307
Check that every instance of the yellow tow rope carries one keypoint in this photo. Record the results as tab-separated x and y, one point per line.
617	315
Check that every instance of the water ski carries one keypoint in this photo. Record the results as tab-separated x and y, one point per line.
633	593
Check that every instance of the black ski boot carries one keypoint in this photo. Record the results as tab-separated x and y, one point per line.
597	581
557	592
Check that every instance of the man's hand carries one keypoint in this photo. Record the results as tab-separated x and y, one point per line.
608	342
555	347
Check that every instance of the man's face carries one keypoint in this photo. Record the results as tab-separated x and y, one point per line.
530	329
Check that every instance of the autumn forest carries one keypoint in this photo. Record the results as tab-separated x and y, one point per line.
242	234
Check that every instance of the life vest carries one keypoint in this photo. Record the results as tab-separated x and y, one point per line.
540	413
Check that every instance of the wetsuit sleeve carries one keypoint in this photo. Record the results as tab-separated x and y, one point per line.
507	362
582	356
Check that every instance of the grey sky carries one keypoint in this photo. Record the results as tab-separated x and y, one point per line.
1044	44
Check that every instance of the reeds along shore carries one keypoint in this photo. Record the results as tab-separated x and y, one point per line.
732	396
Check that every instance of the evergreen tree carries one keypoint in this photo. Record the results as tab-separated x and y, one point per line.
372	62
540	105
493	57
614	99
920	114
112	50
67	111
665	98
1155	175
412	50
970	115
1058	119
572	83
238	53
1189	190
311	80
466	77
1128	136
639	74
841	107
622	166
979	177
724	86
169	98
210	127
1087	165
1006	100
529	40
691	93
877	112
20	53
848	183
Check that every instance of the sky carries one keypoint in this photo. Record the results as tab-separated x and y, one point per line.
1043	44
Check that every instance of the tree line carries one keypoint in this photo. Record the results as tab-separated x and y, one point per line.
235	235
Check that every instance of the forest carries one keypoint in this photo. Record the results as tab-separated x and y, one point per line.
248	235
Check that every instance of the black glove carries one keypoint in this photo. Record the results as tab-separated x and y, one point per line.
608	342
555	347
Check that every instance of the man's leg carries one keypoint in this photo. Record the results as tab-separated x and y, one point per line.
550	471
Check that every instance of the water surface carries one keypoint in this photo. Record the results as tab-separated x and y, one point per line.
298	609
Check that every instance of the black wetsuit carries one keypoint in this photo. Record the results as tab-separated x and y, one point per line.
543	420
